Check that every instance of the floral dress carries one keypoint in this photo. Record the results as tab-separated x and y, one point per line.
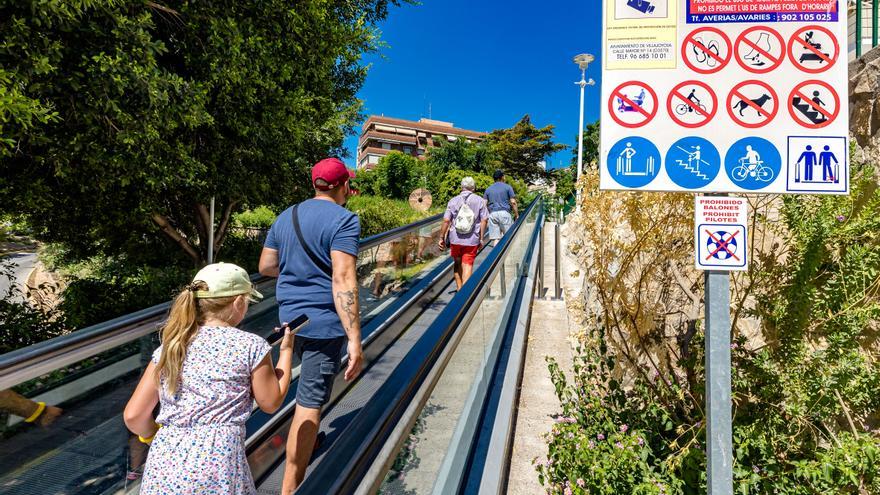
200	447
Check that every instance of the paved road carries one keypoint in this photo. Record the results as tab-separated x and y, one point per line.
22	264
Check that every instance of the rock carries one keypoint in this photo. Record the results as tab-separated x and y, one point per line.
864	106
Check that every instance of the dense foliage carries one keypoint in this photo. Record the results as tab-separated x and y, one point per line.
521	149
120	119
806	383
378	215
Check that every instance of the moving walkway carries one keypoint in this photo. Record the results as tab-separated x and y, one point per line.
421	340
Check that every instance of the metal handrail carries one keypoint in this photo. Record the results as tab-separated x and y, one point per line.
31	361
341	469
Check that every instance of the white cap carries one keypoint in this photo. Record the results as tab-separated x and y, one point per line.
225	280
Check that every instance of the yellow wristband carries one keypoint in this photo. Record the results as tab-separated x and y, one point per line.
41	406
149	440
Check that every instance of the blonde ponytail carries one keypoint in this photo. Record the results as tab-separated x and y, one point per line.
186	314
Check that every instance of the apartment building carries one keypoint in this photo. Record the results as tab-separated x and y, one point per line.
381	135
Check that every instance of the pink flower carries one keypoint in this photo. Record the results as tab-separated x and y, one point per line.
618	445
623	428
581	483
592	444
567	491
641	441
600	436
841	218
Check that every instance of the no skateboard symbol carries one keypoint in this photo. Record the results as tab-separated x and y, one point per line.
632	104
692	104
706	50
752	104
814	104
759	49
813	49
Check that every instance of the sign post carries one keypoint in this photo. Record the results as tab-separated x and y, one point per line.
667	68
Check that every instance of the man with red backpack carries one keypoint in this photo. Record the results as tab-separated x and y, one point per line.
467	215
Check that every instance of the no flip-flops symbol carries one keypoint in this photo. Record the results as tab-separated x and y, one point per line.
759	49
752	104
692	104
632	104
814	104
813	49
706	50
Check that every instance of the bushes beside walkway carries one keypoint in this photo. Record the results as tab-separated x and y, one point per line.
806	361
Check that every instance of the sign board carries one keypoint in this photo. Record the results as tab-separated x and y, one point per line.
725	96
721	233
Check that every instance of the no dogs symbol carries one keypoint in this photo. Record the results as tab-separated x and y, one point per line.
752	104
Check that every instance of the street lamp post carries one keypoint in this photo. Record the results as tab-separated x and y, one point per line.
583	60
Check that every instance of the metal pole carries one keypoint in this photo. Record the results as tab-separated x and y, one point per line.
557	276
583	84
719	437
540	294
874	23
858	28
211	234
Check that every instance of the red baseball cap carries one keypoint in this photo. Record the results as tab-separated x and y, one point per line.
332	171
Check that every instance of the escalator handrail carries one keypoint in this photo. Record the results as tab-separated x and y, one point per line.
104	333
349	457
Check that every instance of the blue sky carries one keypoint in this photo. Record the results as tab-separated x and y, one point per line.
484	64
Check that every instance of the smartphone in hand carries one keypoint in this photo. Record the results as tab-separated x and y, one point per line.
295	326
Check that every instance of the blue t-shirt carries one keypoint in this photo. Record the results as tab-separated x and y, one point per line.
498	195
302	287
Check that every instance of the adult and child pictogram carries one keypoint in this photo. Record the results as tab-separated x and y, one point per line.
817	164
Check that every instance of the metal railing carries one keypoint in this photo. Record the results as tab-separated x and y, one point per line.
370	435
35	360
860	27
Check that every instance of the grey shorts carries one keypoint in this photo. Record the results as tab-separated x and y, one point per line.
320	363
499	223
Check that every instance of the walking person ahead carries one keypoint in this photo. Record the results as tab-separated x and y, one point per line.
312	248
467	215
206	375
502	201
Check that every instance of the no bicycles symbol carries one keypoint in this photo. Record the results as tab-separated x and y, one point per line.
692	104
706	50
752	104
632	104
759	49
814	53
809	104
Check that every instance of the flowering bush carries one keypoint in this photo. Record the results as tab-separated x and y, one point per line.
806	360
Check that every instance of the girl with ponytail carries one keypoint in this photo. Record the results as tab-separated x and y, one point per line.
205	377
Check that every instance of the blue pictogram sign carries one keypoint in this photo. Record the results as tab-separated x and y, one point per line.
752	163
692	162
633	161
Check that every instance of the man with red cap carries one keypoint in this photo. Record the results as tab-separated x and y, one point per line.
312	248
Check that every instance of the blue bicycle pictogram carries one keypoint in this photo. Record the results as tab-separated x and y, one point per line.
752	163
692	162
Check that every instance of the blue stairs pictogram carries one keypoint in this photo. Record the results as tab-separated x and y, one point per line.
687	166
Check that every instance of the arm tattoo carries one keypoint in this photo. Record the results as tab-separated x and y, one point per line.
346	300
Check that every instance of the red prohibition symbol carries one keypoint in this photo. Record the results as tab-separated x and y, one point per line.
809	110
759	50
693	42
629	104
740	104
812	50
680	105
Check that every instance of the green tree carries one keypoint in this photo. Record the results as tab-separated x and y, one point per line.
397	174
450	185
521	148
119	119
591	146
461	154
